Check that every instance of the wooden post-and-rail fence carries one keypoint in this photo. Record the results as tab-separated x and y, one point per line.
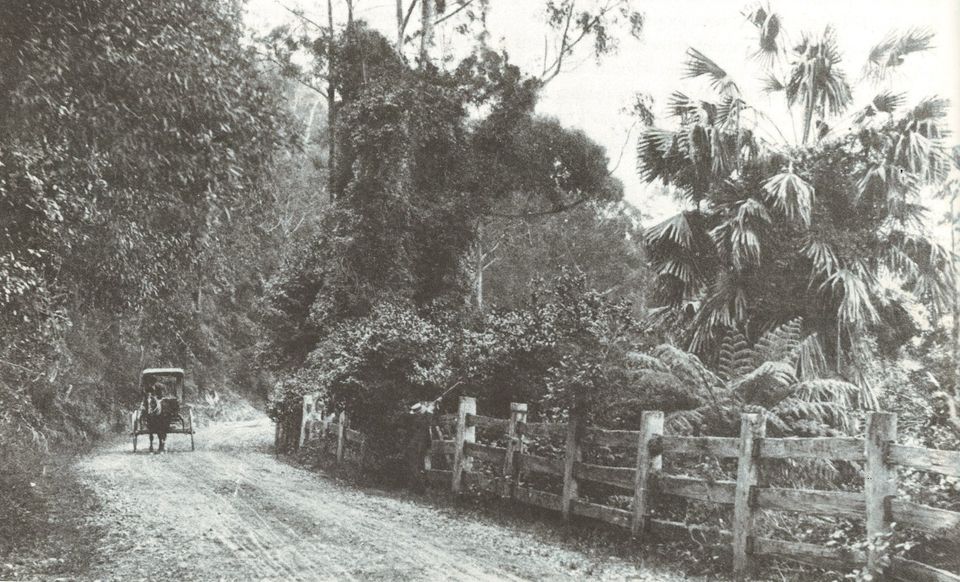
315	424
877	504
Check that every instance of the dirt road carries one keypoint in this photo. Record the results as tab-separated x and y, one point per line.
231	511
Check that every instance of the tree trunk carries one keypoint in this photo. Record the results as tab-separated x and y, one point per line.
399	27
331	108
478	279
955	332
426	37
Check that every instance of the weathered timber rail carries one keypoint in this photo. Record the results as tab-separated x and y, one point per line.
877	504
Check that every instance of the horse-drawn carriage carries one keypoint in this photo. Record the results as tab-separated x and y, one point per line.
162	410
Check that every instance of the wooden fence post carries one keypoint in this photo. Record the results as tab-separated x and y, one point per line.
648	463
880	480
465	434
427	463
341	428
276	439
307	408
753	427
518	414
308	417
572	456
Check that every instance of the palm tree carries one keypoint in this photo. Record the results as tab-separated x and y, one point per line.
813	227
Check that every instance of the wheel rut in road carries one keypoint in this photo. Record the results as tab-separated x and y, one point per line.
232	511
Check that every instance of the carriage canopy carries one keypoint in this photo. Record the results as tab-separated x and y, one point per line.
176	416
150	375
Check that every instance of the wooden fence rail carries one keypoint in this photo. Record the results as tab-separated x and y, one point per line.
316	426
512	464
876	504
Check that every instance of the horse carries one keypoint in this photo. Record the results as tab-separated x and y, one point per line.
156	417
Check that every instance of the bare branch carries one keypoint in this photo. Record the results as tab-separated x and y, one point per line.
556	210
454	13
299	14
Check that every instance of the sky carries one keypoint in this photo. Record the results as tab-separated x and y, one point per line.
593	95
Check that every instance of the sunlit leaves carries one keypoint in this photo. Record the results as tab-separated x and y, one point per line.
767	23
822	244
816	80
885	102
675	229
737	237
851	288
889	54
820	253
791	195
699	64
784	384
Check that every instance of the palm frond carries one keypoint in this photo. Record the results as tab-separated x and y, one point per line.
680	105
772	84
791	195
728	111
723	308
675	229
699	64
885	102
853	294
888	101
811	361
889	54
919	148
768	24
825	261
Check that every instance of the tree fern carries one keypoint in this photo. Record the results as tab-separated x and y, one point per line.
766	385
736	356
687	368
779	344
778	377
642	362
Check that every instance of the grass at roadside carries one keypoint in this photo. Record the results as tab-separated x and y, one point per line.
43	528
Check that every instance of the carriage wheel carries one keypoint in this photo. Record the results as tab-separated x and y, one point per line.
134	427
190	416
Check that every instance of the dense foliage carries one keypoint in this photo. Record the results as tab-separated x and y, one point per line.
816	229
135	141
320	212
378	310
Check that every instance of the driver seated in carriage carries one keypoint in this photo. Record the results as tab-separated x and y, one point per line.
152	393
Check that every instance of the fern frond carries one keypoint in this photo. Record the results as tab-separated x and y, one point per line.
685	422
767	385
687	368
736	356
779	344
641	361
827	401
